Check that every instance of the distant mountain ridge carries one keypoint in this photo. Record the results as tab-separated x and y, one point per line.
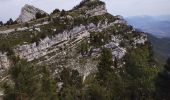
157	26
158	29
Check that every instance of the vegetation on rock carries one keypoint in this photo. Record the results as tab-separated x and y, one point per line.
39	15
29	83
81	57
162	83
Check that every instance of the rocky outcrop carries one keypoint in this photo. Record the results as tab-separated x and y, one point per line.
48	45
99	10
117	51
33	51
60	47
120	20
28	13
4	61
23	28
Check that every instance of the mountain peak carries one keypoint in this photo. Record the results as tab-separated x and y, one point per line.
89	4
91	7
27	5
28	13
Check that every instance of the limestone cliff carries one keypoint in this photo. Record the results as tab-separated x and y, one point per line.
57	42
28	13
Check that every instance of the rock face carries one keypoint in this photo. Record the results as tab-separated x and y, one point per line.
64	36
99	10
4	61
31	51
52	45
28	13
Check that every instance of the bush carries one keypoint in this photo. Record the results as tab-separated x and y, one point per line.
84	47
1	23
63	13
26	24
55	11
140	73
30	83
10	22
99	39
40	15
162	83
106	61
72	84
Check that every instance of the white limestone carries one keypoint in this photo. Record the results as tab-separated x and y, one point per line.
33	51
28	13
99	10
4	61
140	40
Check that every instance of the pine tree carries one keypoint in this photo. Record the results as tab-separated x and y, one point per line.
105	63
63	13
72	84
25	82
48	86
30	83
139	74
40	15
108	81
1	23
163	83
55	11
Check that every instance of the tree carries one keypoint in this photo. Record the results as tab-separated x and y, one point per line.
21	75
39	15
99	39
48	86
1	23
84	47
71	77
163	83
26	24
63	12
72	84
9	92
55	11
115	62
30	83
95	92
108	84
139	74
105	63
10	22
15	22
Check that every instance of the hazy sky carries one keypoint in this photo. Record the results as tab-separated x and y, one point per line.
11	8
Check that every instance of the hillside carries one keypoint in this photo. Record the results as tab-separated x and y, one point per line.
61	34
158	30
81	54
160	47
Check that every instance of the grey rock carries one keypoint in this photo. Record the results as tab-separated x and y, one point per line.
28	13
99	10
4	61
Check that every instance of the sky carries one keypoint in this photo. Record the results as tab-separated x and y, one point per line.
126	8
